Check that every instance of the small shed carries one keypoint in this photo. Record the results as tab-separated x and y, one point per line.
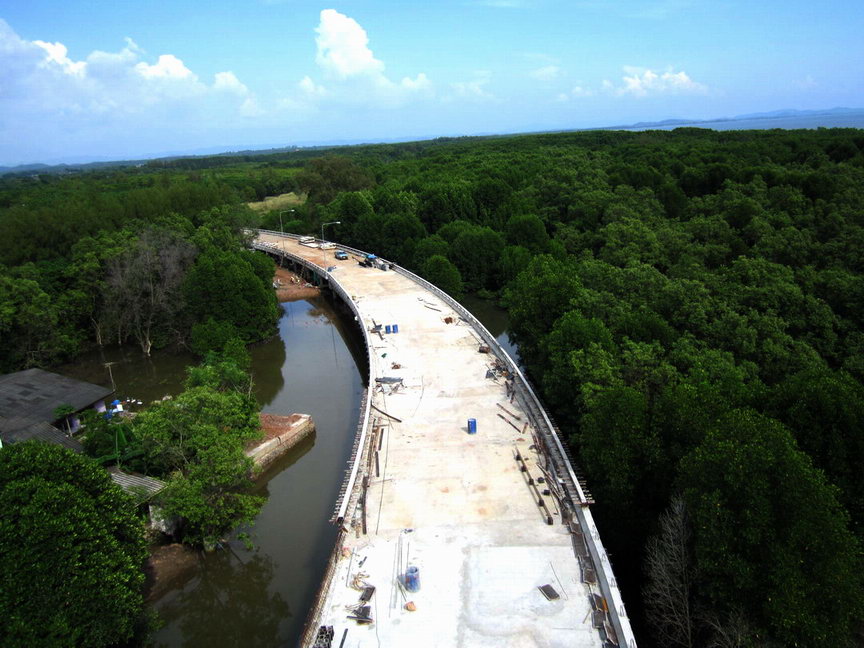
140	487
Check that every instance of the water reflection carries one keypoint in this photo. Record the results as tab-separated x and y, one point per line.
230	604
131	373
308	368
268	360
495	319
282	463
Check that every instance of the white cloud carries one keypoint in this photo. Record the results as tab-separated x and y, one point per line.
57	53
343	47
354	75
251	108
167	67
641	82
106	100
576	92
420	83
474	89
228	82
546	73
311	89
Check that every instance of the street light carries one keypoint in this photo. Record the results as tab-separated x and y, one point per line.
323	251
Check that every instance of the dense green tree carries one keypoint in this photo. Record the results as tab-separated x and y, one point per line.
541	294
197	441
477	253
232	287
211	335
528	231
824	409
514	259
72	551
439	271
769	534
428	247
324	178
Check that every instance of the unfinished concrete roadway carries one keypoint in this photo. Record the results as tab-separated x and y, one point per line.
462	508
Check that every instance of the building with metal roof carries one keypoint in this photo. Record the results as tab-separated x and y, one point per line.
29	398
140	487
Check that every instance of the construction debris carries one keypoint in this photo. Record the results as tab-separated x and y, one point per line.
549	592
513	414
504	418
380	411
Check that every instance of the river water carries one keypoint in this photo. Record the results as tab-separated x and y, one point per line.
260	596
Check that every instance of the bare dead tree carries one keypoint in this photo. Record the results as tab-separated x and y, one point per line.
668	568
731	632
144	286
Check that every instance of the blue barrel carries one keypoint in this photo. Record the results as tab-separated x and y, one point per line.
387	329
472	426
395	328
412	579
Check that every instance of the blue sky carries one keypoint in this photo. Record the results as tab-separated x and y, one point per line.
119	79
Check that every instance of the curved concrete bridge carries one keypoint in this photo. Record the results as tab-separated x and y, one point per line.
487	518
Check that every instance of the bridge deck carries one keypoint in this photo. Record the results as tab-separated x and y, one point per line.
453	504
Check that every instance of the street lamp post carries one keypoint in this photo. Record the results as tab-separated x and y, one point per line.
323	251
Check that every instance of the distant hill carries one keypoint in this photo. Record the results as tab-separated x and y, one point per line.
787	119
856	115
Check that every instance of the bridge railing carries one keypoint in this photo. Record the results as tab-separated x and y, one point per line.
532	405
360	438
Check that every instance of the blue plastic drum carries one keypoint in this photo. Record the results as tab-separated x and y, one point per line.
412	579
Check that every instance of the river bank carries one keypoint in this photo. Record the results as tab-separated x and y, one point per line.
290	287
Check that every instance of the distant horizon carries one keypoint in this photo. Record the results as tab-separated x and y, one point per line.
857	114
137	80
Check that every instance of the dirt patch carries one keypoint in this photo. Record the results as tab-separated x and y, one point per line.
290	287
275	425
168	567
281	433
282	201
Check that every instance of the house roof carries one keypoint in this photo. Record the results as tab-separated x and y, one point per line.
31	396
140	487
42	431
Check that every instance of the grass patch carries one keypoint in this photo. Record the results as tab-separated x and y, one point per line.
282	201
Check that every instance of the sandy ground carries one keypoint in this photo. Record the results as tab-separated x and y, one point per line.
290	287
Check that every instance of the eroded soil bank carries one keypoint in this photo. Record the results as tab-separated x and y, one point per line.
290	287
